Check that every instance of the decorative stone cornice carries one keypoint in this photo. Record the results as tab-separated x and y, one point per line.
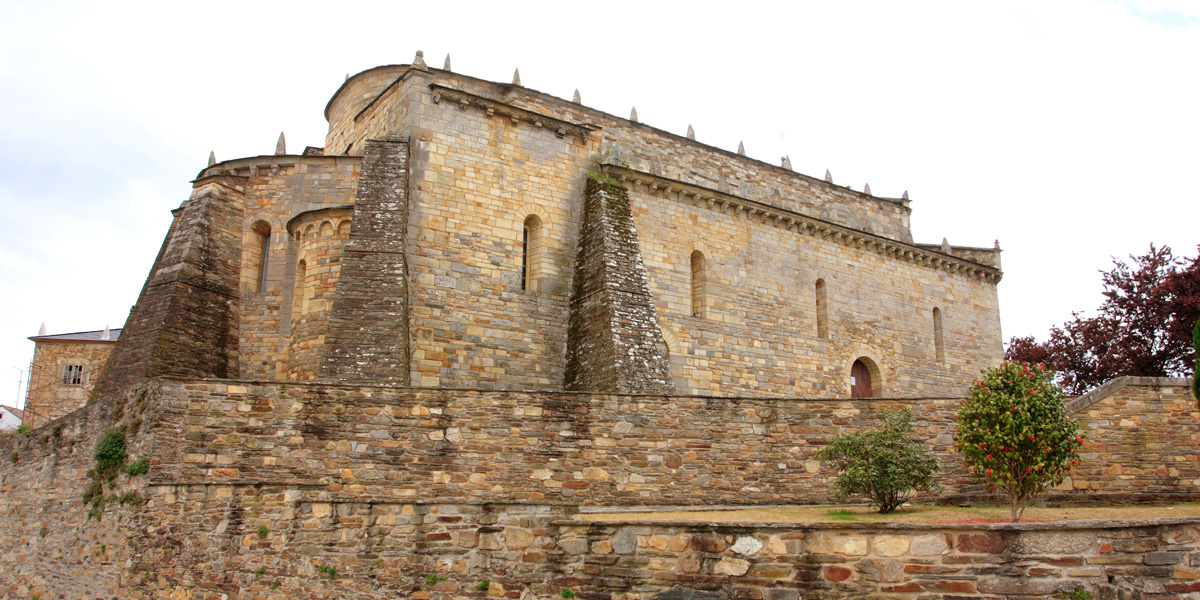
800	223
252	166
496	108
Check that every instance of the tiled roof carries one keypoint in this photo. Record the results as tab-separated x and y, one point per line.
14	410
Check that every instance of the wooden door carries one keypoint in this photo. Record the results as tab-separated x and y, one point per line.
860	381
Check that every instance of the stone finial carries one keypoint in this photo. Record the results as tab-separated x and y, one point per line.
212	158
787	162
106	334
419	60
576	99
42	331
741	148
516	77
905	196
446	65
691	134
997	247
347	77
867	189
945	246
633	115
828	177
281	145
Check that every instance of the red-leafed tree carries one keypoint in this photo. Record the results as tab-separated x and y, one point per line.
1144	327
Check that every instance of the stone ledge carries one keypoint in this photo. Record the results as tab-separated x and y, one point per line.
1046	526
1114	385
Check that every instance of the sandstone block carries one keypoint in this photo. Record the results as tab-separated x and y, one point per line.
889	545
880	569
929	545
747	545
735	567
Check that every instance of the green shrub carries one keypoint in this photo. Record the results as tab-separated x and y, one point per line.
883	464
1013	429
110	453
263	531
433	578
566	593
137	467
23	429
483	585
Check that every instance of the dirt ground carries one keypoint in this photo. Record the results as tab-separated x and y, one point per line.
910	514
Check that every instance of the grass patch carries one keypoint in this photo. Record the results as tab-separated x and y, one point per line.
841	514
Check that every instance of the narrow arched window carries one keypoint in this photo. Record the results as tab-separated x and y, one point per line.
531	253
699	284
939	341
298	300
262	254
822	310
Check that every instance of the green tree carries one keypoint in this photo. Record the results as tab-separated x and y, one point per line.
883	463
1014	430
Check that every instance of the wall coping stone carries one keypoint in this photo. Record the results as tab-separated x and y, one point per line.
259	382
1026	526
1114	385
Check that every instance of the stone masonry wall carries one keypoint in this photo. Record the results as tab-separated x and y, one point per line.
578	448
477	179
1142	440
303	490
318	238
646	148
369	335
377	442
700	561
615	344
186	319
487	156
759	335
279	188
47	397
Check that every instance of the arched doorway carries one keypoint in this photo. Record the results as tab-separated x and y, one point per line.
860	380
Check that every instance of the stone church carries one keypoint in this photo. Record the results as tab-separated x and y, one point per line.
420	361
455	232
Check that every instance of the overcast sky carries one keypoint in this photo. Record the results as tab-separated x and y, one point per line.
1069	130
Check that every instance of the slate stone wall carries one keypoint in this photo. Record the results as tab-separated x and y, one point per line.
186	319
307	490
615	343
368	338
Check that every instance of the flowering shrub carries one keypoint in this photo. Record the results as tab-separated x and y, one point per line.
1014	431
883	464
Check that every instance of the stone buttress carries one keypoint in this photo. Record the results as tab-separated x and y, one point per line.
368	335
185	321
614	340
